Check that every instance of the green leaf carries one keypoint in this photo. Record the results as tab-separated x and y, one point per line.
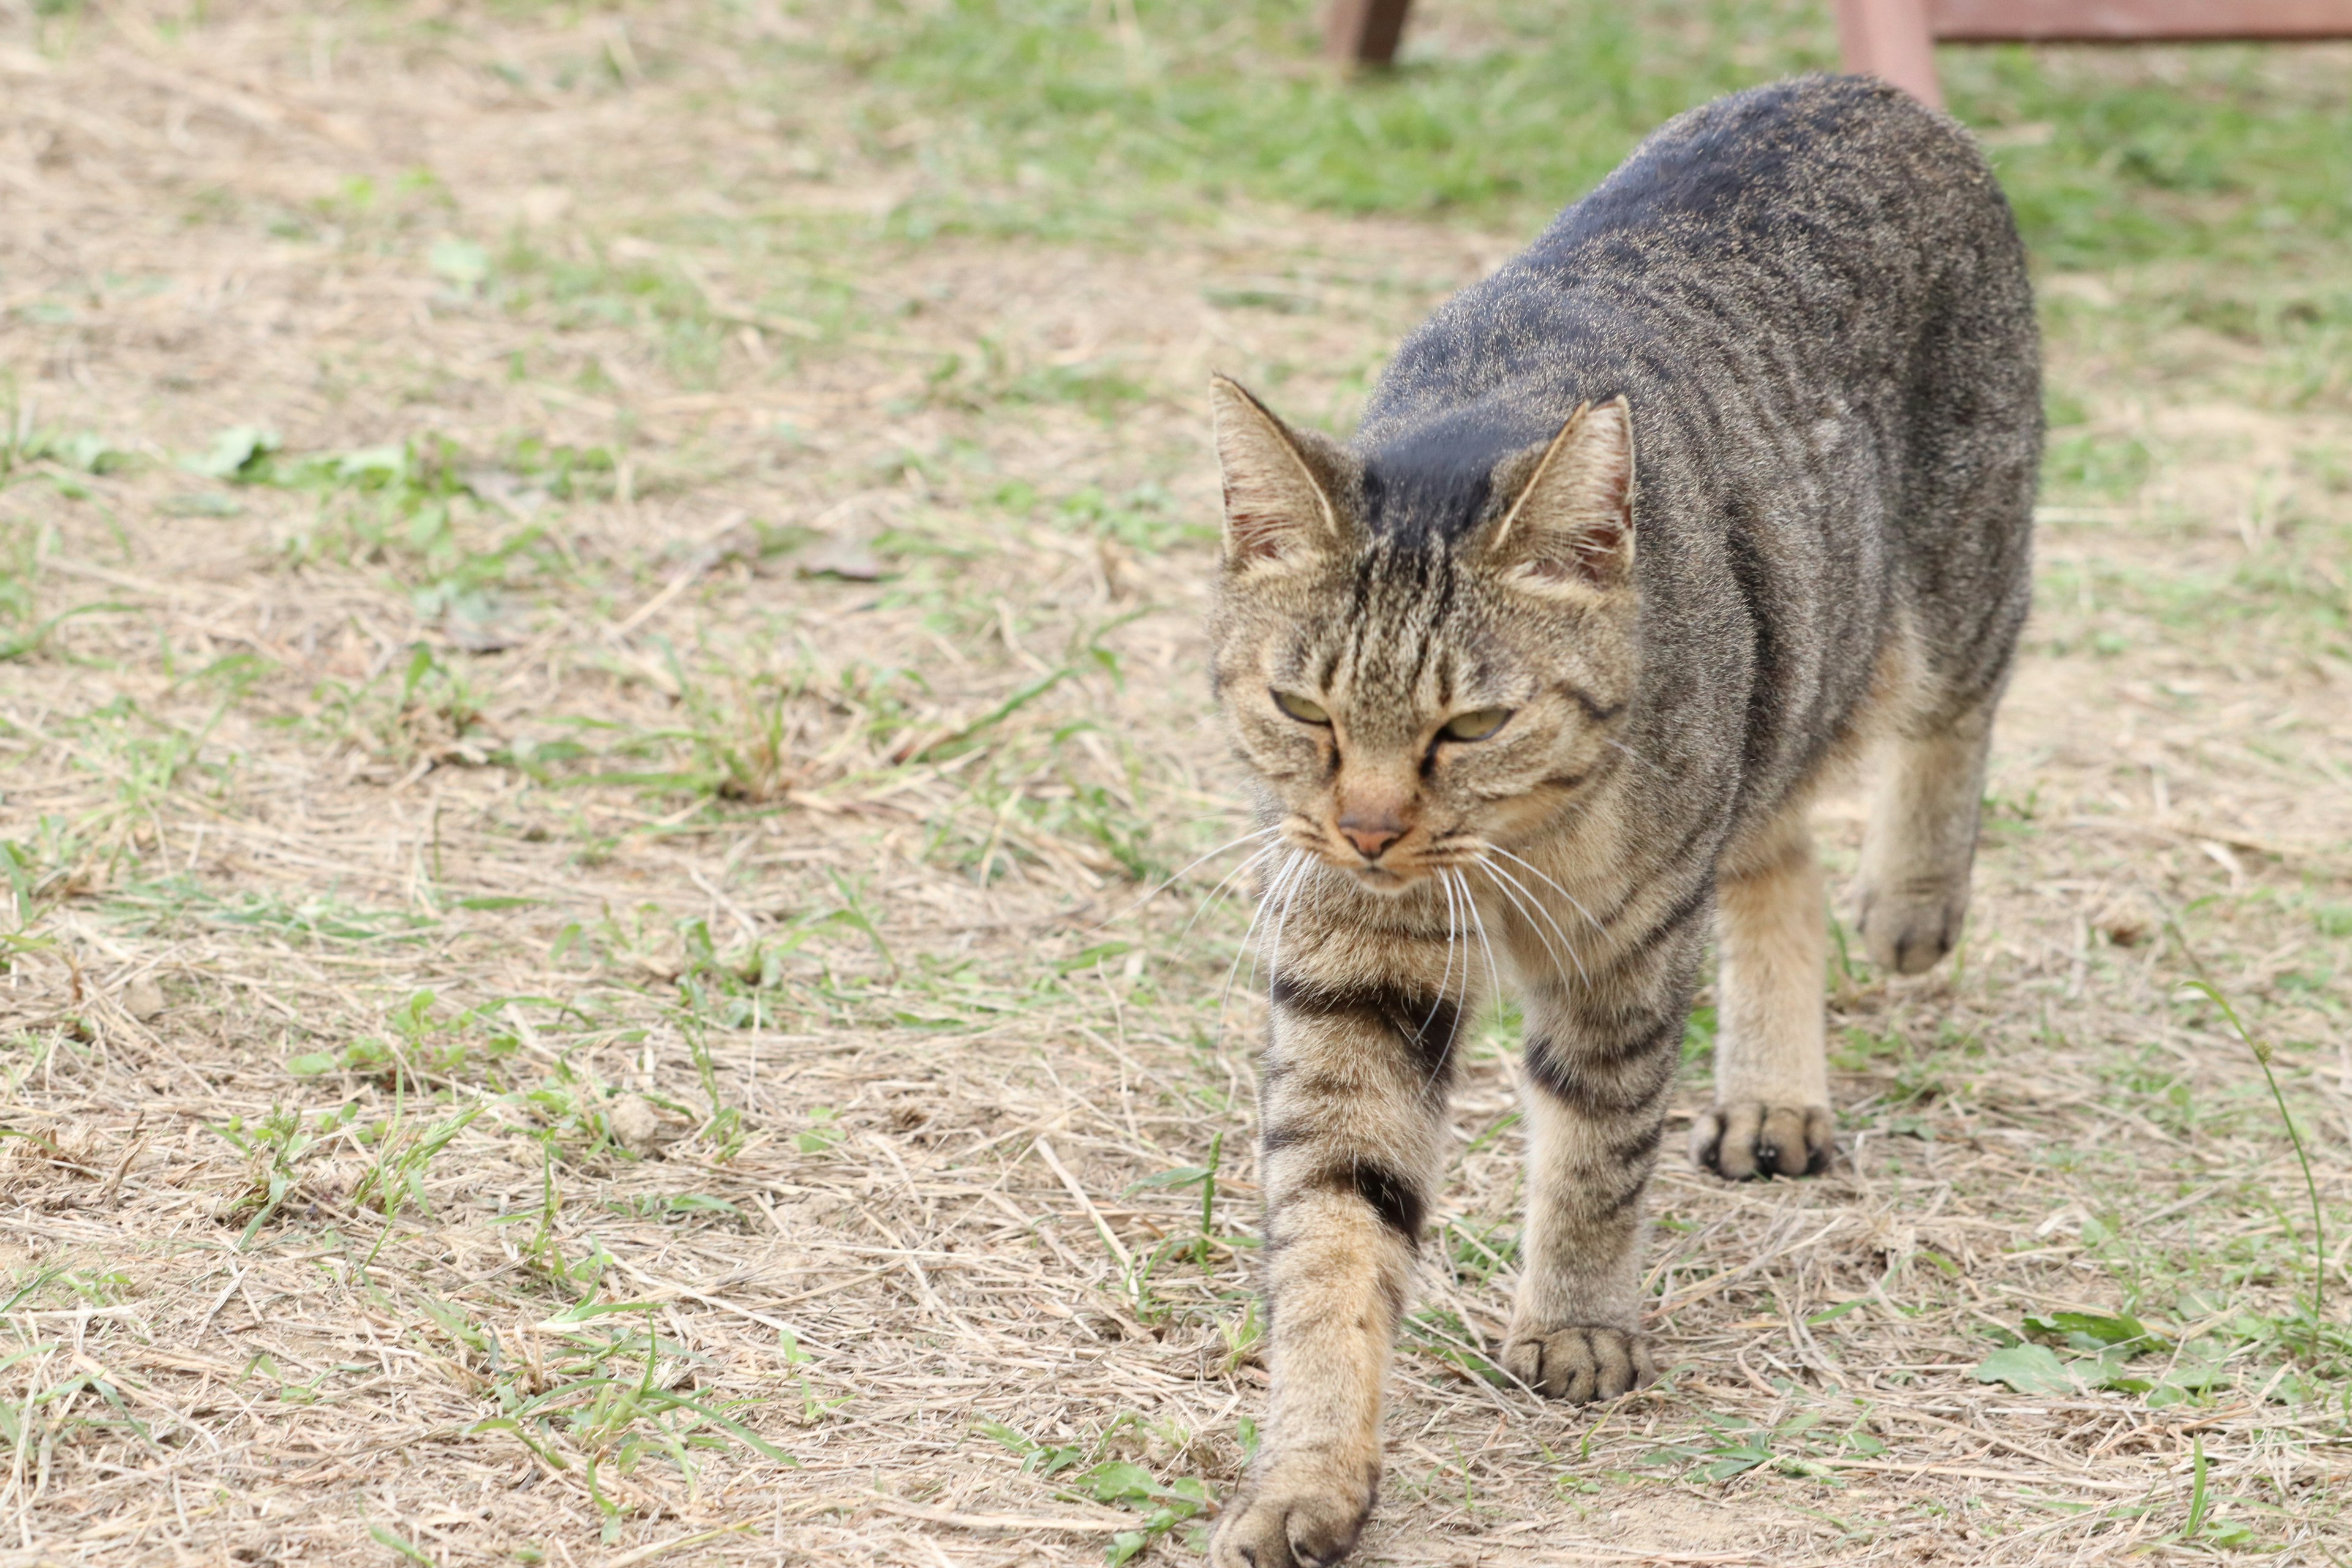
1120	1480
386	1537
310	1064
236	452
2027	1369
1181	1176
459	260
2093	1331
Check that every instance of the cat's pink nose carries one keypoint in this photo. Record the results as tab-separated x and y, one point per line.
1370	837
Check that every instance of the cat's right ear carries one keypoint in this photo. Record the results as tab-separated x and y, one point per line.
1280	484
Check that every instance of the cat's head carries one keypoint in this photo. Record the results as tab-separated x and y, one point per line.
1418	658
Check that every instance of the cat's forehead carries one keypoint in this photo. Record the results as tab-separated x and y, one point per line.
1405	626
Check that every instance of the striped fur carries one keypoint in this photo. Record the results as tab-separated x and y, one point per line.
1724	481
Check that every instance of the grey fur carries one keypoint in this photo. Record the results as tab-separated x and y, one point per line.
1809	305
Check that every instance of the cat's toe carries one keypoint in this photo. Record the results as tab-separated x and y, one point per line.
1304	1512
1579	1365
1908	930
1744	1140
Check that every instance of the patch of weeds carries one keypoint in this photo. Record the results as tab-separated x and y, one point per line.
621	286
319	920
569	1104
143	757
1476	1253
24	630
1440	1333
1244	1335
678	1206
274	1149
2111	467
814	1406
614	1397
52	864
1147	520
2262	1054
1796	1446
1698	1041
751	739
240	454
450	526
2062	1354
544	1250
428	710
823	1132
1116	1480
395	1180
419	1048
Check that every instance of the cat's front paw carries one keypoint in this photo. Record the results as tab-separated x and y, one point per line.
1906	928
1744	1140
1302	1510
1579	1365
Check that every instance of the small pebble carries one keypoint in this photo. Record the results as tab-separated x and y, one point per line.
636	1125
144	1000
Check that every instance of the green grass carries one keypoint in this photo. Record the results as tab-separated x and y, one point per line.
1063	119
2222	184
1034	115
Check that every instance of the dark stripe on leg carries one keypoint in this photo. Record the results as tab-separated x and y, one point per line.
1390	1195
1603	1082
1427	1023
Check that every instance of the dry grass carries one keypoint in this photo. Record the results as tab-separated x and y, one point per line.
678	813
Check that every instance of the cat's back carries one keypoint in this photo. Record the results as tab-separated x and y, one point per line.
1809	228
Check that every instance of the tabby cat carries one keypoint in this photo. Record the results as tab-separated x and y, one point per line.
1729	478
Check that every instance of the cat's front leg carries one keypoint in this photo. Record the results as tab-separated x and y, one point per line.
1351	1094
1601	1060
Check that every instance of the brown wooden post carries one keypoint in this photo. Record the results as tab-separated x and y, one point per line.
1889	38
1895	39
1363	32
2138	21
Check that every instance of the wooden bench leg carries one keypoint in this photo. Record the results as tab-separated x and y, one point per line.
1363	32
1890	39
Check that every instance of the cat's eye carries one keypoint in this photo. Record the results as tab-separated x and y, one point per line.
1475	726
1300	708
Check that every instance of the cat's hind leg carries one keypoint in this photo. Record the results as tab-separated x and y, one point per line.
1771	1114
1918	851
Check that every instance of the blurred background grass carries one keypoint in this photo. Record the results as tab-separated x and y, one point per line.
1066	113
2222	175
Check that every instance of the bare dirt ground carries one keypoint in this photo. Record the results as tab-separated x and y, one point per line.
583	721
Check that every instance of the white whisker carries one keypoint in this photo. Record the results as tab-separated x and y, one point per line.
1534	925
1225	998
1563	892
1210	902
1308	866
1177	876
1478	923
1447	978
1530	910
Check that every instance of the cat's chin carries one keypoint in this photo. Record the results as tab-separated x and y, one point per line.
1383	879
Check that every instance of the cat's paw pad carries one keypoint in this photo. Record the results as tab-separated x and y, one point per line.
1579	1365
1302	1512
1748	1140
1908	930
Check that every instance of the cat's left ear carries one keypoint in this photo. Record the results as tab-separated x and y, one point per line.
1569	527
